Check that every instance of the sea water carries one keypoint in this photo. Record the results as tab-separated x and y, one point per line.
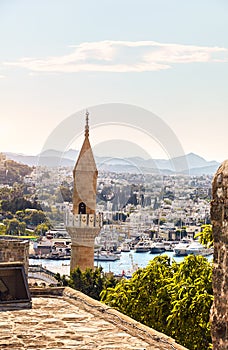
128	262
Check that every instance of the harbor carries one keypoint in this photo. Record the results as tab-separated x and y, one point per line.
128	262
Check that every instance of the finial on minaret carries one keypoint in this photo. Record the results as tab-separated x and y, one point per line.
87	124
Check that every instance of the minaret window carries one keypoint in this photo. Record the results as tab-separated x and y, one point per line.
82	208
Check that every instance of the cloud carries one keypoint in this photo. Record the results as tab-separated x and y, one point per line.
122	56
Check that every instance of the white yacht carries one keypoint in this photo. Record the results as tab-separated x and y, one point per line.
105	256
157	248
186	247
143	246
196	248
125	247
180	249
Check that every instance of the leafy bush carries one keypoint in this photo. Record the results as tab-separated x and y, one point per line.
172	298
90	282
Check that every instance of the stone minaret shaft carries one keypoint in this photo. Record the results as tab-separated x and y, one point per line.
84	225
219	218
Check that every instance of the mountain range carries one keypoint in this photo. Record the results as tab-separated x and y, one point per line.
191	163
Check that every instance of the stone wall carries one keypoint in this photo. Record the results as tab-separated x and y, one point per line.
15	250
219	217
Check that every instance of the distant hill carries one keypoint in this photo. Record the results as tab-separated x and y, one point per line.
12	171
50	158
191	164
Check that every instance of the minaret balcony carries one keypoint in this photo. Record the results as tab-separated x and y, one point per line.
84	220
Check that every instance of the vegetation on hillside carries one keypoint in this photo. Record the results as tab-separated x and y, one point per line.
20	210
14	172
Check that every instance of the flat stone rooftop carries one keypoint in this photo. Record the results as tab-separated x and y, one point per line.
62	318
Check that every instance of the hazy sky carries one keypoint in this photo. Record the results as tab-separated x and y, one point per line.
169	57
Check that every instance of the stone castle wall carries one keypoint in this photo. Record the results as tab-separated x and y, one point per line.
12	250
219	218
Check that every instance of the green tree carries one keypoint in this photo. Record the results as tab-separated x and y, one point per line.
142	296
35	217
20	214
63	280
2	229
12	226
206	236
5	193
191	296
41	229
174	299
21	227
18	204
90	282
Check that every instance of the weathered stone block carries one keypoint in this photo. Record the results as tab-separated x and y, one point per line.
15	250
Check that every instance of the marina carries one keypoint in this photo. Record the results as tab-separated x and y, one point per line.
127	262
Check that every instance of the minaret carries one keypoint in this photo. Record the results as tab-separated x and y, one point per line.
83	224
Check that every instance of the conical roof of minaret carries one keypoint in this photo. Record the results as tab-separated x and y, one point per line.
85	161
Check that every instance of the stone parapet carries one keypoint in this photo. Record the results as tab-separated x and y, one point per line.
63	318
15	250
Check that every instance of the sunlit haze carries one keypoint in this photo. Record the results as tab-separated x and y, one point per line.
169	57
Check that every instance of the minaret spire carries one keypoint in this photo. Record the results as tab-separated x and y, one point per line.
87	124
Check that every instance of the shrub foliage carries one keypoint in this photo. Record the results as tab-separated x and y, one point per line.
172	298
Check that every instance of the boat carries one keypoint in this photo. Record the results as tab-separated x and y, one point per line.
168	246
180	249
196	248
157	248
57	256
105	256
125	247
143	246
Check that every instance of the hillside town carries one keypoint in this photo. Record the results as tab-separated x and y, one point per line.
166	206
140	200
